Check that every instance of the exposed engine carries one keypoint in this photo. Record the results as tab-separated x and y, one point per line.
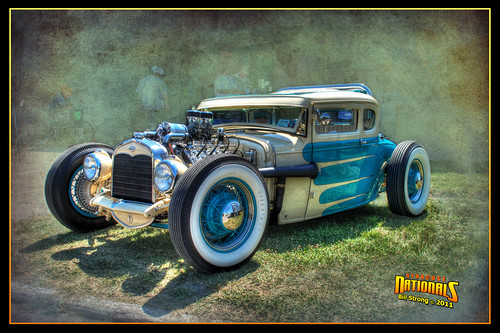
195	140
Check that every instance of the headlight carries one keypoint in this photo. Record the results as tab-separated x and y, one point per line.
97	166
91	167
165	176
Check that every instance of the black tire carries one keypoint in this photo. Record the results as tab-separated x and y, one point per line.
219	213
67	192
408	179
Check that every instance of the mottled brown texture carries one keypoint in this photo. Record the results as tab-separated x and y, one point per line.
428	69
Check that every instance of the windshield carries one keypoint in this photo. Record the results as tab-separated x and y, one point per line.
284	118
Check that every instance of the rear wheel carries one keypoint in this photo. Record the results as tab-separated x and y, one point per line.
408	179
68	192
219	213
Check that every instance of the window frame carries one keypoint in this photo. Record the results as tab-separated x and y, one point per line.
374	123
335	105
359	133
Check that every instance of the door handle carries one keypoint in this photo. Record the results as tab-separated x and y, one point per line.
363	141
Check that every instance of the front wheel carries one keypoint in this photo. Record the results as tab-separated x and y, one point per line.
219	213
68	192
408	179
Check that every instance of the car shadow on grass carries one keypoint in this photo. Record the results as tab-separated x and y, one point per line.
334	228
141	263
191	286
144	267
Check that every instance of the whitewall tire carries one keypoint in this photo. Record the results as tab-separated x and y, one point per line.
408	179
219	213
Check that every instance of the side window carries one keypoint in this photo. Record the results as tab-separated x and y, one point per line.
368	120
338	120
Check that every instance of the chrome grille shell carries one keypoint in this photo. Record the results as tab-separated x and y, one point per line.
134	162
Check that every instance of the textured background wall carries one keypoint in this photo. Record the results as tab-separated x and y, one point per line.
428	69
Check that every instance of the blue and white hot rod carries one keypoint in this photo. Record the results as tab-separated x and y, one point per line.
238	163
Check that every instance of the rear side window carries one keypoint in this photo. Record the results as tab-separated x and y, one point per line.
368	120
333	121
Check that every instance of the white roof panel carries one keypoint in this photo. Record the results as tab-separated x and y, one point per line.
302	99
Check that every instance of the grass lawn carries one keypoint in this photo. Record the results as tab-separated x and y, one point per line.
339	268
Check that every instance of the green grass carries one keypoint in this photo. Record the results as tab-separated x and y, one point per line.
339	268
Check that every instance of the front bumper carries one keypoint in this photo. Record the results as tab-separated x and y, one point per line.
130	214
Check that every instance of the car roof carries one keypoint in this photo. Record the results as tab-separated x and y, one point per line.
298	97
356	87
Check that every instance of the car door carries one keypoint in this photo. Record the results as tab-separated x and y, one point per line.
344	147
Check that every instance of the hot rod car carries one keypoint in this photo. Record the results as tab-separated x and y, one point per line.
238	163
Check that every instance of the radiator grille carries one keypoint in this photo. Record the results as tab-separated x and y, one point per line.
133	178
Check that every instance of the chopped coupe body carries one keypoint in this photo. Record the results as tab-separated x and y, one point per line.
238	164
